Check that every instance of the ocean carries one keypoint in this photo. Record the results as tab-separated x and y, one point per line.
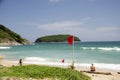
101	54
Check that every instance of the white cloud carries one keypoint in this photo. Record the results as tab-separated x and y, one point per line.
108	29
66	25
103	33
97	33
87	18
55	0
60	25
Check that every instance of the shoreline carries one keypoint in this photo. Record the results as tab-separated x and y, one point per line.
114	76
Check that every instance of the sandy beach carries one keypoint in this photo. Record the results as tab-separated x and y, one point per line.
114	75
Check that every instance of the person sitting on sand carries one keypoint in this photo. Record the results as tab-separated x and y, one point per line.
118	72
92	68
20	62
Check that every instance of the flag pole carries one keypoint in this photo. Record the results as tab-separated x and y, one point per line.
71	42
73	53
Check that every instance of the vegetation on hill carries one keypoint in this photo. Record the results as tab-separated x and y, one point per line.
42	72
56	38
8	36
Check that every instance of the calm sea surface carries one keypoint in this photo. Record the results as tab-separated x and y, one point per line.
106	54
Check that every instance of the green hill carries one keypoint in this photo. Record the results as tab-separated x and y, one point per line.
56	38
8	37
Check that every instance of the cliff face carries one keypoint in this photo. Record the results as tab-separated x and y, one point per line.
56	38
8	37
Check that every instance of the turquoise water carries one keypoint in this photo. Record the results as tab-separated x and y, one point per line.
107	53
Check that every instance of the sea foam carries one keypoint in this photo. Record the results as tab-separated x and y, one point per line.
102	48
36	59
110	49
3	47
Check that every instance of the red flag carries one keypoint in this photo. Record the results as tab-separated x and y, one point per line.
70	40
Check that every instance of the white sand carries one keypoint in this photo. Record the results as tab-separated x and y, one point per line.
114	75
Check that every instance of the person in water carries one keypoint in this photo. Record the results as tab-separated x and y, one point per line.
63	61
92	68
20	62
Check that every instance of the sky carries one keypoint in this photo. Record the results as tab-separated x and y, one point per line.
90	20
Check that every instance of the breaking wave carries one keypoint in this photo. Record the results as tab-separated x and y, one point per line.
102	48
35	59
2	47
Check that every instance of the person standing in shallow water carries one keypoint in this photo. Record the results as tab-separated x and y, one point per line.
63	61
92	68
20	62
